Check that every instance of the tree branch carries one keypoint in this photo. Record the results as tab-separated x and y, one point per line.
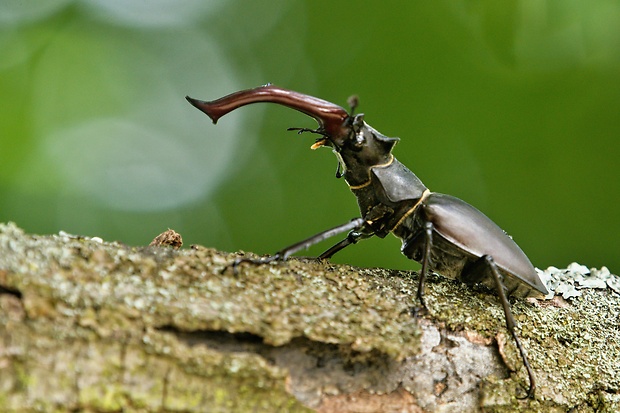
90	325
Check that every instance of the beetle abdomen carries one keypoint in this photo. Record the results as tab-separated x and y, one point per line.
462	234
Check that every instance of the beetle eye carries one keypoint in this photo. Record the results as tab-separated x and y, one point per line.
358	141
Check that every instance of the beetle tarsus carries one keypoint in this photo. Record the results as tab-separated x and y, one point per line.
256	261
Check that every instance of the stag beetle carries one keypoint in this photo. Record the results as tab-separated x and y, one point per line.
442	232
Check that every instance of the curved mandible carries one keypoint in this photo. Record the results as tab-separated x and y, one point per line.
331	117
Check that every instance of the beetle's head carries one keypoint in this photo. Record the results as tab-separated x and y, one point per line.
356	144
358	148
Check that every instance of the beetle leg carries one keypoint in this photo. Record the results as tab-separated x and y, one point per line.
351	239
426	258
283	254
510	321
339	246
321	236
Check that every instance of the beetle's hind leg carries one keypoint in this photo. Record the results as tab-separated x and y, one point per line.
487	262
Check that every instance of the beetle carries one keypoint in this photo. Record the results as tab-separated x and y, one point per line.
443	233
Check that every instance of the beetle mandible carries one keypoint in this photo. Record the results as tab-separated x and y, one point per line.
442	232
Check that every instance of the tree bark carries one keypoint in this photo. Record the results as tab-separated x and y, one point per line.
96	326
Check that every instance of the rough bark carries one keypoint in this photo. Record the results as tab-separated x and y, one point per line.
87	325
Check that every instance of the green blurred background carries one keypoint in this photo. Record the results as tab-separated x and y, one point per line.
512	106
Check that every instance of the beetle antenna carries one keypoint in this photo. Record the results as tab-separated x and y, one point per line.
353	101
315	131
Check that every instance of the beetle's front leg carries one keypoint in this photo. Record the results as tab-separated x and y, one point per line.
353	237
283	254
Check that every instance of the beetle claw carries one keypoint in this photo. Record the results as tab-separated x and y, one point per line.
418	311
529	393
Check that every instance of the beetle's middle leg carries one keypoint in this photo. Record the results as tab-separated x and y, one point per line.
284	253
419	248
428	244
352	238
